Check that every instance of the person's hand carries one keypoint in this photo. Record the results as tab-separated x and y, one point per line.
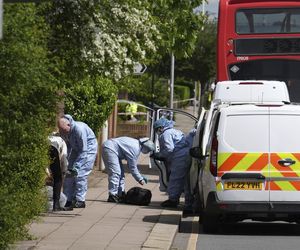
71	172
144	180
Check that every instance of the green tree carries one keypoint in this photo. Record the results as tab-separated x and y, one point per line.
179	25
27	101
91	100
201	66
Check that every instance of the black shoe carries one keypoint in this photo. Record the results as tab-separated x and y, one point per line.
67	208
57	207
79	204
169	203
187	213
113	198
122	197
69	204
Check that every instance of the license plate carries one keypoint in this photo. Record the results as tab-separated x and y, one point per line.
243	185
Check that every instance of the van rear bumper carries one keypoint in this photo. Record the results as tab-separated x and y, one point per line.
266	211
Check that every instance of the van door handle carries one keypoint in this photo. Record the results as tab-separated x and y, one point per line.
286	162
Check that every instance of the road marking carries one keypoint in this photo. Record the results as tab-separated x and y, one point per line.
192	243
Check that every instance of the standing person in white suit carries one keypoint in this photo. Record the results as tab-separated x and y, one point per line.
82	150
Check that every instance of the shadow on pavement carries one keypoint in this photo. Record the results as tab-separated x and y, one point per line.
187	226
170	219
153	181
144	169
152	205
156	205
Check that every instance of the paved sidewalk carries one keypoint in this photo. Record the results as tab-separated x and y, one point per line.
103	225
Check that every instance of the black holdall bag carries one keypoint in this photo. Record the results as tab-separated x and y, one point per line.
138	196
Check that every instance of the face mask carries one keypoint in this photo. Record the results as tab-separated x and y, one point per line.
159	131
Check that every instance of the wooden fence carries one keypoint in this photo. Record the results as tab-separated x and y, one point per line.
131	129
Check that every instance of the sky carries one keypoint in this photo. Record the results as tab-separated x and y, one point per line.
211	7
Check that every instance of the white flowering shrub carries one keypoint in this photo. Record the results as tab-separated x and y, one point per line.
107	37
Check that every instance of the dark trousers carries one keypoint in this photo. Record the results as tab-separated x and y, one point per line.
57	176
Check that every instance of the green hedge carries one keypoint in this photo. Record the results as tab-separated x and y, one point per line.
183	93
181	82
91	100
27	101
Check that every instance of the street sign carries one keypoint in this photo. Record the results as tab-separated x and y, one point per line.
139	69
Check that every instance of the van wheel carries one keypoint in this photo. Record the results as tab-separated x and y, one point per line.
210	223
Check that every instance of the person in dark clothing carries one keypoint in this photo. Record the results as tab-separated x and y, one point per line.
57	177
58	166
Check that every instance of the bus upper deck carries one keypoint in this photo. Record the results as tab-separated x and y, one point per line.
260	40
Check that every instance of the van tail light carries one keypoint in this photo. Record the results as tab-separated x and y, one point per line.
214	157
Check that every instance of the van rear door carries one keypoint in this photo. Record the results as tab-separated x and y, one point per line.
185	122
285	153
242	157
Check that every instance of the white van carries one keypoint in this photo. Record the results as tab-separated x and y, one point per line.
250	156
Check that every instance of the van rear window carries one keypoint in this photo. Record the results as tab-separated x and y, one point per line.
245	133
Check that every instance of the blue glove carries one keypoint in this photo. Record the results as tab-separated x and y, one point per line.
145	179
71	172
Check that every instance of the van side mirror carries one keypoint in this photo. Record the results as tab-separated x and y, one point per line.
195	152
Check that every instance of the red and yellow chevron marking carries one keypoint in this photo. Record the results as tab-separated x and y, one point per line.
241	162
283	185
259	162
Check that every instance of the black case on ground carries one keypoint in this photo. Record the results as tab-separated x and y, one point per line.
138	196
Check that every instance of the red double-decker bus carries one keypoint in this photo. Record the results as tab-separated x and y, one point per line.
260	40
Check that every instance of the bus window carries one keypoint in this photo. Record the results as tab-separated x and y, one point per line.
243	25
295	23
267	21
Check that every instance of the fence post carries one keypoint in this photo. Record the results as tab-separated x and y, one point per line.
172	80
195	97
112	122
103	138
